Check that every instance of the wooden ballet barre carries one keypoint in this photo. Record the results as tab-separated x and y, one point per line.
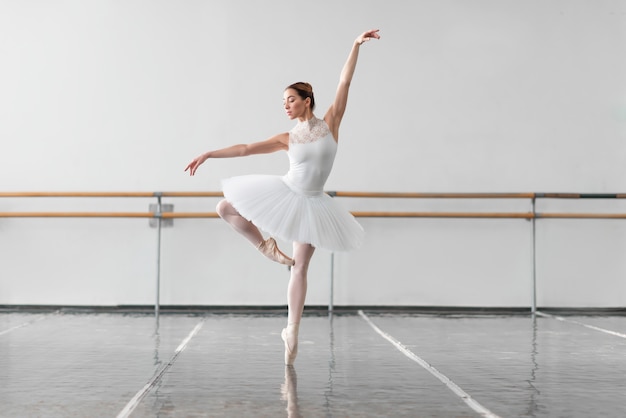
111	194
77	215
357	214
189	215
331	193
334	194
475	215
168	215
379	215
192	194
433	195
494	215
77	194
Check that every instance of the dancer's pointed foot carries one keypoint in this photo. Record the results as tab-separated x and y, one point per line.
271	251
290	337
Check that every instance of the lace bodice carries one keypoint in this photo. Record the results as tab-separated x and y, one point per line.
308	131
312	150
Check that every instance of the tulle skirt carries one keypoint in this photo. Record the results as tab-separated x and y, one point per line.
276	208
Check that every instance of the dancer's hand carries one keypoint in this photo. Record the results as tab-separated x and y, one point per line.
193	166
367	35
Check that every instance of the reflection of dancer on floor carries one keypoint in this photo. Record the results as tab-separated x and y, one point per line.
293	207
289	390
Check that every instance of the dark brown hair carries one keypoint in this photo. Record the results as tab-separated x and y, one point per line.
304	90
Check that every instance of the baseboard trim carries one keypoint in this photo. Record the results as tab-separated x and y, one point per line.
280	310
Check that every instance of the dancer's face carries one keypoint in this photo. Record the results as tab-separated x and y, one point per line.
295	106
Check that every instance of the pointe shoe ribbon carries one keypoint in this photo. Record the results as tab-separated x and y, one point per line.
269	249
290	337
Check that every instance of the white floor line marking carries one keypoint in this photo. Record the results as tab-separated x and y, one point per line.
134	402
25	324
443	378
560	318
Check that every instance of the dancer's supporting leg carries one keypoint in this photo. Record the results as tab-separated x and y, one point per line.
251	233
296	294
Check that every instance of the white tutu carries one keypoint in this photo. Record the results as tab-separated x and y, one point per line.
274	207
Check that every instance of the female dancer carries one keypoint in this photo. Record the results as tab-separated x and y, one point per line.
293	207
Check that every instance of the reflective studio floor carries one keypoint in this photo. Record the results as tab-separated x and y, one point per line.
350	364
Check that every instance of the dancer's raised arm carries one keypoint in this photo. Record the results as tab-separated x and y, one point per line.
276	143
335	112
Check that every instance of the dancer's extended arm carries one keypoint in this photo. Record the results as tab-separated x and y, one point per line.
335	112
275	143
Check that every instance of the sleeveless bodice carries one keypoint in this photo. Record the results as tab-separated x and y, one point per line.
312	151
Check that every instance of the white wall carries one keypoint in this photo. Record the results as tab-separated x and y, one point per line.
460	96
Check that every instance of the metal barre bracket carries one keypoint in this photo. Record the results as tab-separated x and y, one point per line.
164	207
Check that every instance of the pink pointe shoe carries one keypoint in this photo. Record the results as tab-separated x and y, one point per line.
269	249
290	337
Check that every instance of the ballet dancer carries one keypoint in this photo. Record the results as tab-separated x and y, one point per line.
294	207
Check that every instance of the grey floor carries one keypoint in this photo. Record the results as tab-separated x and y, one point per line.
368	364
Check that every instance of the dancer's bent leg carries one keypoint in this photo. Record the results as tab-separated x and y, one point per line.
296	295
251	233
240	224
